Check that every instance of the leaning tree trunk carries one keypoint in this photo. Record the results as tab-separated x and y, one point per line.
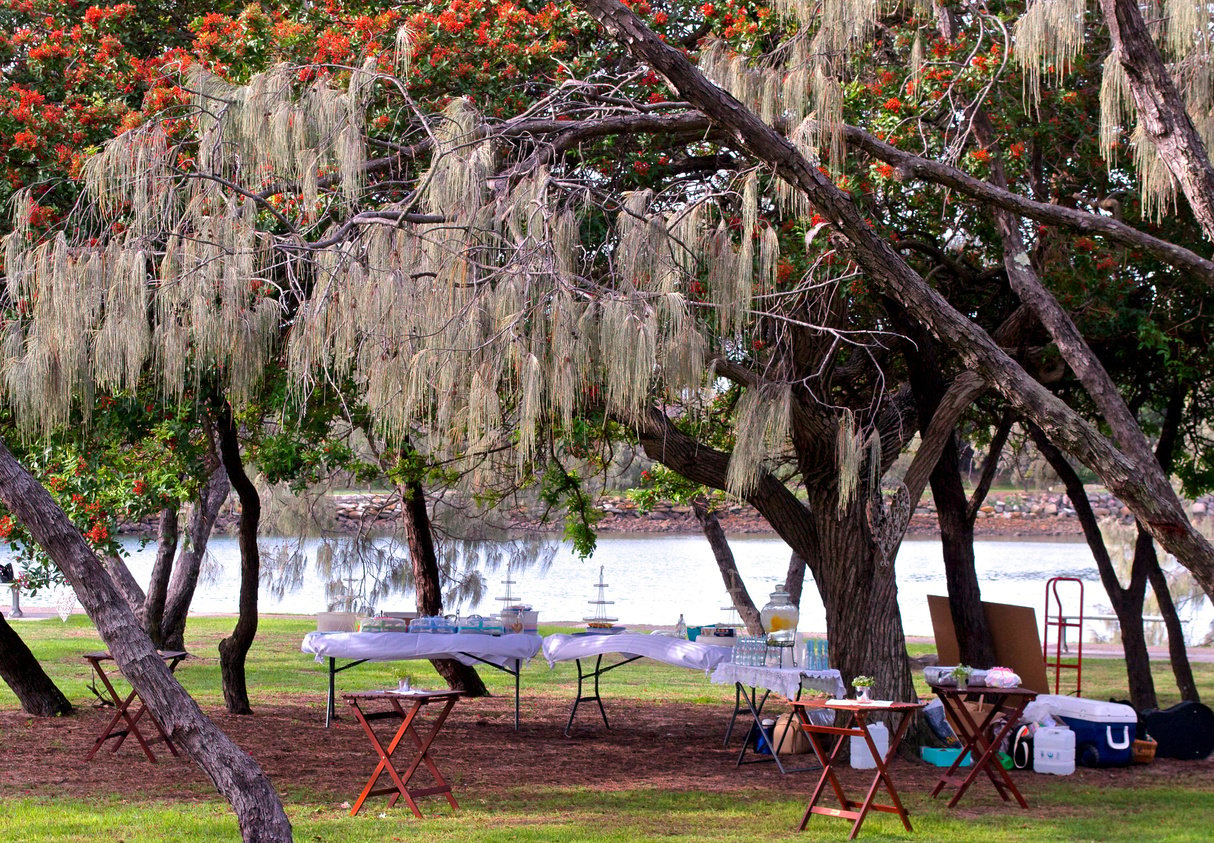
22	672
794	578
1160	107
419	536
738	595
235	774
189	560
125	580
158	584
235	648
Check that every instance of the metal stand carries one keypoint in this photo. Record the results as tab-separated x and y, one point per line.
754	704
582	675
16	612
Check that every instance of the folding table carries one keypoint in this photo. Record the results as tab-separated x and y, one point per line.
631	646
500	652
122	707
857	713
415	701
787	681
977	738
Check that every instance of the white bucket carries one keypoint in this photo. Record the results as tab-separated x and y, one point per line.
861	758
1054	751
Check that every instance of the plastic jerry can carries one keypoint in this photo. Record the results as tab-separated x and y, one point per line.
1054	751
861	757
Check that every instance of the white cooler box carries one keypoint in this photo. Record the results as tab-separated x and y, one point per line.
1104	731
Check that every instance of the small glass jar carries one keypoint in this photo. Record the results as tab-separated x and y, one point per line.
780	618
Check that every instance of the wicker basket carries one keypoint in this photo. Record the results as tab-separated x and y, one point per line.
1143	751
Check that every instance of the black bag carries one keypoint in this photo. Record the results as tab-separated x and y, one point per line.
1184	731
1022	747
6	573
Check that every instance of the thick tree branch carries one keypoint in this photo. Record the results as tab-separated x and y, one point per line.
907	165
1146	491
1161	109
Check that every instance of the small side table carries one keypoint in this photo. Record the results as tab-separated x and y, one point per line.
405	706
858	727
977	738
122	706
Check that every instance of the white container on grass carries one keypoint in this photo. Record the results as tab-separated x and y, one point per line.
861	757
1054	751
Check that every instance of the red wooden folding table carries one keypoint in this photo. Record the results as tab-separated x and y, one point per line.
122	705
978	739
405	706
857	713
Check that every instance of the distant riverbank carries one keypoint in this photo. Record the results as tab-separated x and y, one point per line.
1008	515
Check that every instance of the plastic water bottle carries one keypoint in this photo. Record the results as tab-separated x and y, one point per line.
680	628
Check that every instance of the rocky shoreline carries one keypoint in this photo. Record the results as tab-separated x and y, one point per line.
1010	515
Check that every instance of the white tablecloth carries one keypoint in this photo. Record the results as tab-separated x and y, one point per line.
401	646
674	651
783	680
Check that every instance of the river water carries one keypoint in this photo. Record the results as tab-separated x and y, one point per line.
652	579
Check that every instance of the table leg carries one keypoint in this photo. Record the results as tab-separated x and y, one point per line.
737	708
581	695
332	683
828	777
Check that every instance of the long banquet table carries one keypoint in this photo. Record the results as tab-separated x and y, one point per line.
631	646
505	652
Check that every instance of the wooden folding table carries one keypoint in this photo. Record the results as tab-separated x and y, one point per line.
857	713
978	739
405	705
122	707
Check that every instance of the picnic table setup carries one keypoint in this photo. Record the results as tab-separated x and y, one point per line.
506	652
761	669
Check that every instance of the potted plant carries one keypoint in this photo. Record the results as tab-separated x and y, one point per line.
863	686
961	674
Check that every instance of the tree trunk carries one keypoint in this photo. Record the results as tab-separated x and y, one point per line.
974	638
189	560
728	566
158	584
975	641
235	648
1181	668
22	672
1144	488
235	774
1161	109
419	536
125	580
863	620
1128	602
794	580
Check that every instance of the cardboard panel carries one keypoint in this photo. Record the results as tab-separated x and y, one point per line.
1014	628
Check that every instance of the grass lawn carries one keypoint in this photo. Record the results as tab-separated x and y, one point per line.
1169	801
